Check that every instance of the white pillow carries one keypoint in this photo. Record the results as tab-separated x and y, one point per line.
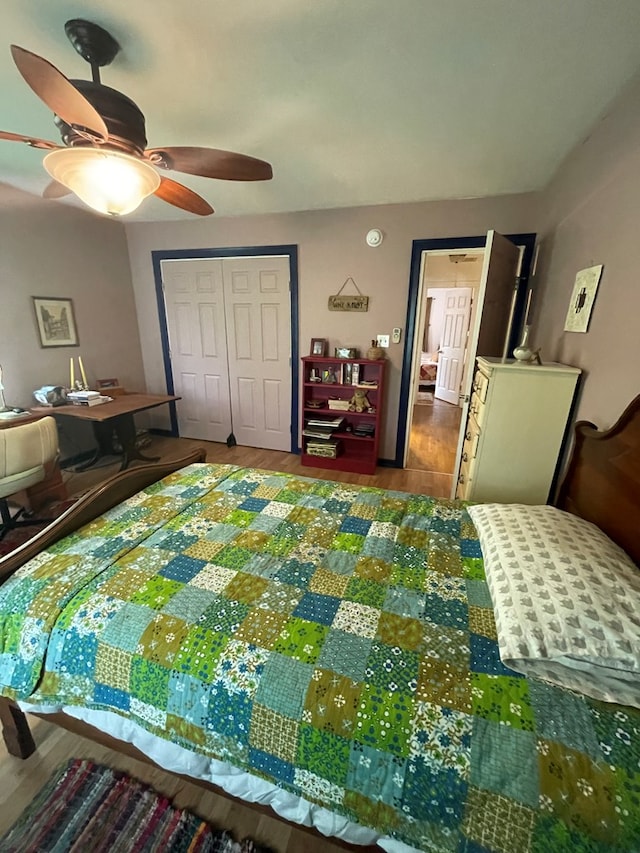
566	599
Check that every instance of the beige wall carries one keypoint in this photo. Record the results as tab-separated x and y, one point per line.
591	217
331	247
51	249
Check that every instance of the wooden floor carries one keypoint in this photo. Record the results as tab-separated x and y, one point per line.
433	440
21	780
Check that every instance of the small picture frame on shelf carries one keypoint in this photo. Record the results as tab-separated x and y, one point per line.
346	352
318	347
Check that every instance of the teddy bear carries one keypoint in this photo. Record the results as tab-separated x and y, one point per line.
359	402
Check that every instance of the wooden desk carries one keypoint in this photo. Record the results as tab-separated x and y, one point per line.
116	416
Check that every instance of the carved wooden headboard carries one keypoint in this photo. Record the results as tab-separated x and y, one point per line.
602	483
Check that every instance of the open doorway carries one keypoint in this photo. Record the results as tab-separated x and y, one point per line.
450	281
493	330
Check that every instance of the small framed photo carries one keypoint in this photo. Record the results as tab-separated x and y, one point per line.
346	352
318	346
56	321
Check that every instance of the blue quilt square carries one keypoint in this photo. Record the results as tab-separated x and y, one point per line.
295	573
375	774
111	546
379	546
274	768
450	526
434	795
470	548
187	698
504	760
336	506
485	657
565	718
229	714
127	626
189	603
77	652
345	653
254	504
111	697
478	593
182	568
178	542
355	524
317	608
446	611
340	562
283	686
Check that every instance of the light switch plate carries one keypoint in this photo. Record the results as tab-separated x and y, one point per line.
383	340
396	335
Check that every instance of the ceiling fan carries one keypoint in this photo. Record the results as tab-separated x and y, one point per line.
104	159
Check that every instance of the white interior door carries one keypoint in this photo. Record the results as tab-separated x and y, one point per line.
457	312
258	311
500	271
194	303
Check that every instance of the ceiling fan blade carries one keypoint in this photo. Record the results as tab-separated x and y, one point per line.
210	163
58	93
33	141
181	196
55	190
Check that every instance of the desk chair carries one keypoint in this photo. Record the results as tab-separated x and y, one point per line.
24	451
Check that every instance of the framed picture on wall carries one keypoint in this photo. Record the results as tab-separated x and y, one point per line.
582	298
56	321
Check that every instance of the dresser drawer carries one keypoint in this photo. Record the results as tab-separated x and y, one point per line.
465	477
480	385
477	409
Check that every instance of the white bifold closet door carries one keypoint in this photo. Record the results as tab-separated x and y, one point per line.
229	330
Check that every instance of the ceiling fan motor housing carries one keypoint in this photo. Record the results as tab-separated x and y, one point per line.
125	121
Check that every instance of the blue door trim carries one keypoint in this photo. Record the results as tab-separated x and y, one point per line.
420	246
157	256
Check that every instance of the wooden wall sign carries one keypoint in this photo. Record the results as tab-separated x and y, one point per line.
349	302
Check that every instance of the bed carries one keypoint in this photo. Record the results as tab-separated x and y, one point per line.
428	368
338	651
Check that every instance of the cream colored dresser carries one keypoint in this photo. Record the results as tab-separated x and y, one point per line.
517	419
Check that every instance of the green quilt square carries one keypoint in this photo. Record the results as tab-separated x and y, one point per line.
444	555
392	668
365	591
232	557
156	592
324	753
473	568
162	638
616	729
224	615
240	518
301	640
199	652
150	682
350	542
446	644
502	699
403	631
246	588
383	720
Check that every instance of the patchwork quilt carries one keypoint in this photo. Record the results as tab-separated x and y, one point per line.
337	641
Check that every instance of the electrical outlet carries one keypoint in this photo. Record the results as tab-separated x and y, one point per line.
383	340
396	335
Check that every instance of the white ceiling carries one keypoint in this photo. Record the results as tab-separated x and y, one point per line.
352	101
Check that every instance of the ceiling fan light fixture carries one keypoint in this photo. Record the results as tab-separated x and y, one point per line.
108	181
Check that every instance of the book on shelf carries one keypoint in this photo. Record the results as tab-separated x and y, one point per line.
317	433
334	423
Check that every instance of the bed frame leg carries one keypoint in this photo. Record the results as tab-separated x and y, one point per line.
15	730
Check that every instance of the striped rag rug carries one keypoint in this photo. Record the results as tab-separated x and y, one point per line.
87	806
